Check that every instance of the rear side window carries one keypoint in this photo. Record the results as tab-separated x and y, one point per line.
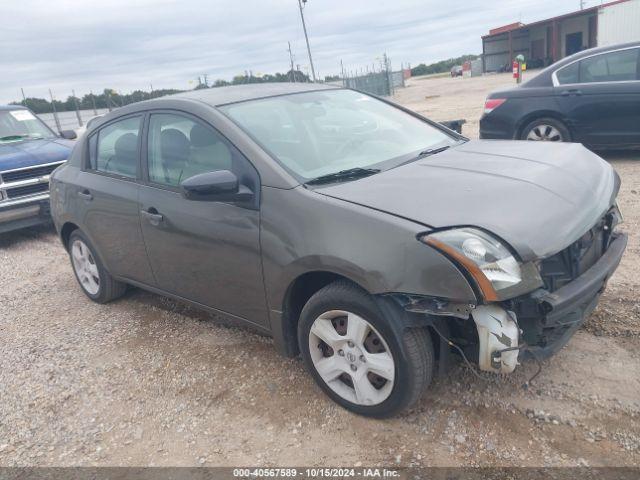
610	67
114	148
618	66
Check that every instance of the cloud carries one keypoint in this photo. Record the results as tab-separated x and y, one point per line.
90	45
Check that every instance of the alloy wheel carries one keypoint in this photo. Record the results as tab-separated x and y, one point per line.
85	267
351	357
545	133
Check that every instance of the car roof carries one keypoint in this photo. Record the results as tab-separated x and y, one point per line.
544	77
12	107
218	96
594	51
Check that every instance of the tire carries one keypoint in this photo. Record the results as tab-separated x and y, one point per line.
546	130
94	279
403	359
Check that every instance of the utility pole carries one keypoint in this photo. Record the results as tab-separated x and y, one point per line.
293	73
75	103
306	37
55	113
93	102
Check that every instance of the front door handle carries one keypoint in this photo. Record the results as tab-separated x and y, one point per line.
85	195
153	216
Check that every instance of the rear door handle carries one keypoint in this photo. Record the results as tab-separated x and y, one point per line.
153	216
85	195
569	93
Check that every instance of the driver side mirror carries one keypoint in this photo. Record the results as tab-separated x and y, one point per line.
68	134
219	186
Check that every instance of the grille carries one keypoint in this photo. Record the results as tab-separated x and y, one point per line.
28	173
27	190
568	264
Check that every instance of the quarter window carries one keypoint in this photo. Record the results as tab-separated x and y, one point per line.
114	149
569	74
181	147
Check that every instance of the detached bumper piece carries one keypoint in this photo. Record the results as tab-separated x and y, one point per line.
549	319
498	339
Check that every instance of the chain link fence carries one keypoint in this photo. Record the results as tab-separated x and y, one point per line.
70	120
379	80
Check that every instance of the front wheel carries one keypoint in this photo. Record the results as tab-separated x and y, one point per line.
546	130
358	357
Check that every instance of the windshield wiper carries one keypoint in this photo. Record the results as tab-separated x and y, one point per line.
351	173
426	153
432	151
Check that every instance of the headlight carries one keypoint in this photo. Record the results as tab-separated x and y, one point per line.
497	273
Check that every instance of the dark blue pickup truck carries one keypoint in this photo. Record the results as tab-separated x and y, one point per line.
29	152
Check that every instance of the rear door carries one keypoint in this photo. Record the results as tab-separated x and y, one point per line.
600	95
204	251
107	190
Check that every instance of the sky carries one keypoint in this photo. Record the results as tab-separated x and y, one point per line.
127	45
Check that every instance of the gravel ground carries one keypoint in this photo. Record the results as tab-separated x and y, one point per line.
146	381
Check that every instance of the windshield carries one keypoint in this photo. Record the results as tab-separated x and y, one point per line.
319	133
16	125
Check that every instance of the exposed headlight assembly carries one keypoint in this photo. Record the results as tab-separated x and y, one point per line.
496	272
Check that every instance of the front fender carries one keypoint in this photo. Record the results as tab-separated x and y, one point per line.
302	231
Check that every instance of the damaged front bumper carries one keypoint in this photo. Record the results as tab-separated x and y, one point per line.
544	321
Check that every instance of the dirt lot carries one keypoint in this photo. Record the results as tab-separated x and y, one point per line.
144	381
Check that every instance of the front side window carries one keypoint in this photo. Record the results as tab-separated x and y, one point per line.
610	67
114	148
180	147
319	133
17	125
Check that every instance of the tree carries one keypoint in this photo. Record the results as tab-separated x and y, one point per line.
441	66
110	97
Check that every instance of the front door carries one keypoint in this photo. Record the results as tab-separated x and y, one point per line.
106	195
602	101
204	251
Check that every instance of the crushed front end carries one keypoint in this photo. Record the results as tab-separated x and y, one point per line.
498	332
573	280
541	322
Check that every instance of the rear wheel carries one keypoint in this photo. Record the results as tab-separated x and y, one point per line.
358	357
546	130
95	281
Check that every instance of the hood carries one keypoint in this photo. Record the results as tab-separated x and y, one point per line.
31	153
537	196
